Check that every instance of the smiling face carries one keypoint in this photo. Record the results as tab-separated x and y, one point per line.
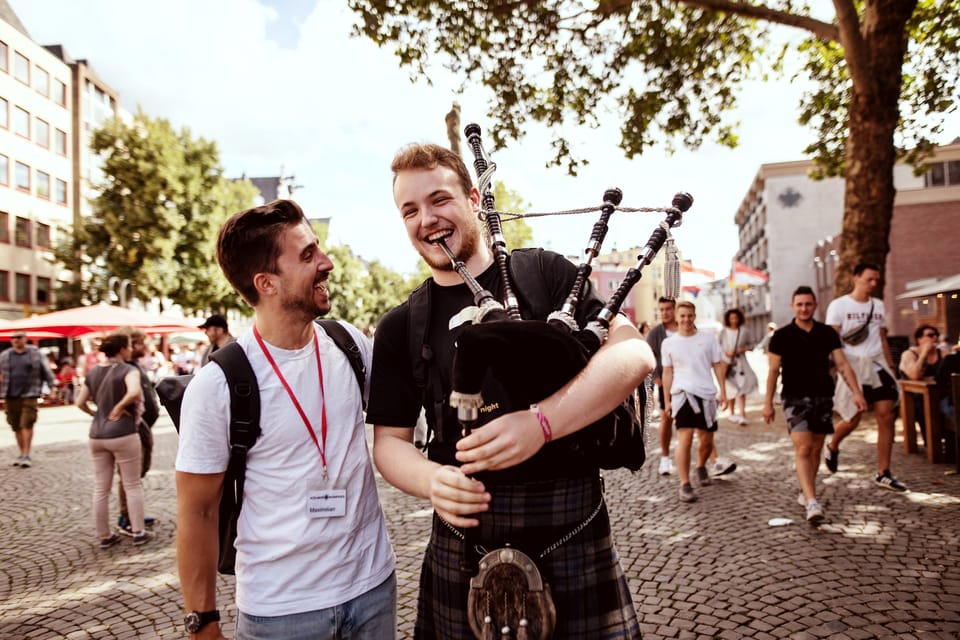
687	319
434	206
302	272
804	305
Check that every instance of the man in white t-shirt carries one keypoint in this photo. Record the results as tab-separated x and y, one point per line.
301	572
690	396
859	319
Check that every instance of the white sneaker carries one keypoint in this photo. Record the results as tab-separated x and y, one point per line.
742	420
723	466
801	500
814	512
666	465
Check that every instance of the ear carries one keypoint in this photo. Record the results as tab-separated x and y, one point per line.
265	284
475	199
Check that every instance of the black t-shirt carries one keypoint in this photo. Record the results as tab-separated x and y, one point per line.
396	401
805	359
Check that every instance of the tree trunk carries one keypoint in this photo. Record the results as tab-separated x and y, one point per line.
873	116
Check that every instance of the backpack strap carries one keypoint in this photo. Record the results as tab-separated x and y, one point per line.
342	338
423	361
244	431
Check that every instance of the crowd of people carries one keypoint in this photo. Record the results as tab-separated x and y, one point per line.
313	558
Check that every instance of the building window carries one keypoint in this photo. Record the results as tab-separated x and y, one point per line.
942	174
4	170
60	141
43	133
5	286
43	290
43	236
21	122
4	227
4	57
22	176
41	82
43	185
22	232
61	191
22	288
4	113
21	68
953	172
59	92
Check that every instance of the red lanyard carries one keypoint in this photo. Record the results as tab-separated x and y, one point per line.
321	446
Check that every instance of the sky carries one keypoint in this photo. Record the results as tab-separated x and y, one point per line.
281	84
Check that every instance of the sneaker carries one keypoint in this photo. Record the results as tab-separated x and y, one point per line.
703	477
723	466
106	543
17	462
832	460
666	465
887	481
814	512
734	418
742	420
142	538
124	528
801	499
25	461
687	494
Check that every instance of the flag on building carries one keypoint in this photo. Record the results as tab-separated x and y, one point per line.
742	276
692	278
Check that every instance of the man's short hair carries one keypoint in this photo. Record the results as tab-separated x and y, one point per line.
803	290
687	303
667	300
247	243
113	343
918	332
863	266
427	156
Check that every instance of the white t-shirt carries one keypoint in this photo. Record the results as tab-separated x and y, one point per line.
288	562
692	359
848	314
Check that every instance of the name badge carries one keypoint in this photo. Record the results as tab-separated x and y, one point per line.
327	503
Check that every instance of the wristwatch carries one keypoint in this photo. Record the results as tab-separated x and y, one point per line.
196	620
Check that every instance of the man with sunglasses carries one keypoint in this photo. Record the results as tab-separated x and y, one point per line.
922	362
23	370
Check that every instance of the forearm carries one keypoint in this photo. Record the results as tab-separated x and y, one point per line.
400	463
771	391
611	375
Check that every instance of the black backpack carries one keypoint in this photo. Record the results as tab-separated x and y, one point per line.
245	423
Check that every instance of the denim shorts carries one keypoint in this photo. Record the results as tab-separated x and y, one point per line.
369	616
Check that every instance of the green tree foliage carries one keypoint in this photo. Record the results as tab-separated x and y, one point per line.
155	218
885	70
362	292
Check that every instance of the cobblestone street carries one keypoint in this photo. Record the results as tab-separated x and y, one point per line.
881	565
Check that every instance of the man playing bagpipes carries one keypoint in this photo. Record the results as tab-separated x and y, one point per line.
512	482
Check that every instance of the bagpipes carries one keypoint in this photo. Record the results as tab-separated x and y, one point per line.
532	359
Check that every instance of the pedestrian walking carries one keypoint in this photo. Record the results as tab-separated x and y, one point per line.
740	379
802	351
691	397
859	319
23	372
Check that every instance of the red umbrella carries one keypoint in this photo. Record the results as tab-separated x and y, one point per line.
99	318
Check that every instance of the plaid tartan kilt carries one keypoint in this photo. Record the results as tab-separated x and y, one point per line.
587	583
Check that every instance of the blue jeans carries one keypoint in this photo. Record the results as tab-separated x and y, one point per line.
369	616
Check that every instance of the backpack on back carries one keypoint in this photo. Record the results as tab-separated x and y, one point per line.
245	423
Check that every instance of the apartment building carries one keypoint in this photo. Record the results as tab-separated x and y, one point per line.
49	106
790	225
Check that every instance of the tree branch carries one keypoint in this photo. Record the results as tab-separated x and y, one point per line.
819	28
852	41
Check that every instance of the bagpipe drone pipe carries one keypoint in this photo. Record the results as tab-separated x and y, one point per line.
531	359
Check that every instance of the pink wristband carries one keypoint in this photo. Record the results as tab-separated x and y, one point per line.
544	423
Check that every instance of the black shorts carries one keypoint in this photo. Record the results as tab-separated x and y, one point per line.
887	390
660	395
811	415
687	418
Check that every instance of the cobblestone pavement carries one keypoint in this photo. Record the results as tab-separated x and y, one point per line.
882	564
